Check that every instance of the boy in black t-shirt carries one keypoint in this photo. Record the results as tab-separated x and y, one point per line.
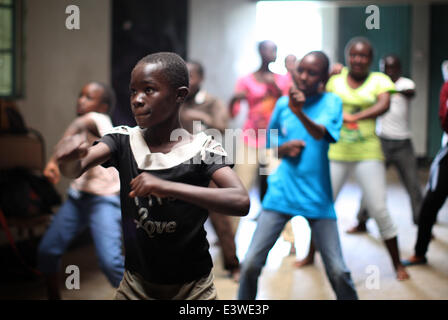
165	174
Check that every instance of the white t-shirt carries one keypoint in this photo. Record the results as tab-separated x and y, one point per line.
394	124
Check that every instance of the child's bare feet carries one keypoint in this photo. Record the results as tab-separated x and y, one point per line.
235	275
304	262
359	228
401	273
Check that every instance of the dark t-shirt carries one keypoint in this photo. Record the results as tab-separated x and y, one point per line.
164	239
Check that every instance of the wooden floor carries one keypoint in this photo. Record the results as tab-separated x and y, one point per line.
364	254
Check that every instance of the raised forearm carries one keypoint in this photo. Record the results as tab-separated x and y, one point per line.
380	107
74	157
409	93
220	117
197	115
71	169
317	131
371	113
229	201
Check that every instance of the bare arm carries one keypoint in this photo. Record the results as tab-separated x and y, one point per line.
220	116
380	107
291	148
74	155
296	102
269	79
408	93
236	98
81	125
229	198
189	115
336	69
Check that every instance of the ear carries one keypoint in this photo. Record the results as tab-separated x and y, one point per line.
181	94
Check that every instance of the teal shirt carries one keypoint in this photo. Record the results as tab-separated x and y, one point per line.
302	185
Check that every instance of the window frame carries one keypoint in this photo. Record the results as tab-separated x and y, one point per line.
16	50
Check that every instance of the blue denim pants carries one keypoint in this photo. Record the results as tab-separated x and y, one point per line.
81	210
326	238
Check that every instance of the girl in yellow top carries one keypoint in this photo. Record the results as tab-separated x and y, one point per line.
365	95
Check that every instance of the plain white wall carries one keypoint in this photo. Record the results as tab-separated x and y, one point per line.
330	23
220	36
58	62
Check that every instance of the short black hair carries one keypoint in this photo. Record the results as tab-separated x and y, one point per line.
108	97
174	67
389	56
326	62
198	66
261	44
357	40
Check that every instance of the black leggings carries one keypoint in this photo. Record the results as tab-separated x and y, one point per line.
432	202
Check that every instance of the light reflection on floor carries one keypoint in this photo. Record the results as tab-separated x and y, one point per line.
280	280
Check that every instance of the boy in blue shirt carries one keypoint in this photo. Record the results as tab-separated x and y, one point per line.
307	122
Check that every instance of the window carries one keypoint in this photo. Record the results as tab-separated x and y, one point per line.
11	48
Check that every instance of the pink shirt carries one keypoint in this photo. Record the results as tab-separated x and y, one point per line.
261	99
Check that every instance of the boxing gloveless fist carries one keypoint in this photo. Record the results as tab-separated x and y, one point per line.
296	99
72	148
52	173
291	148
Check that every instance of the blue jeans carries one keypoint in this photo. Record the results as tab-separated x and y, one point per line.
103	215
326	238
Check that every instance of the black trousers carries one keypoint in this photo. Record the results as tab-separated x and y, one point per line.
436	194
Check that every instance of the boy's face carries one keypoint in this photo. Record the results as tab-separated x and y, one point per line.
90	99
392	69
308	74
153	99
